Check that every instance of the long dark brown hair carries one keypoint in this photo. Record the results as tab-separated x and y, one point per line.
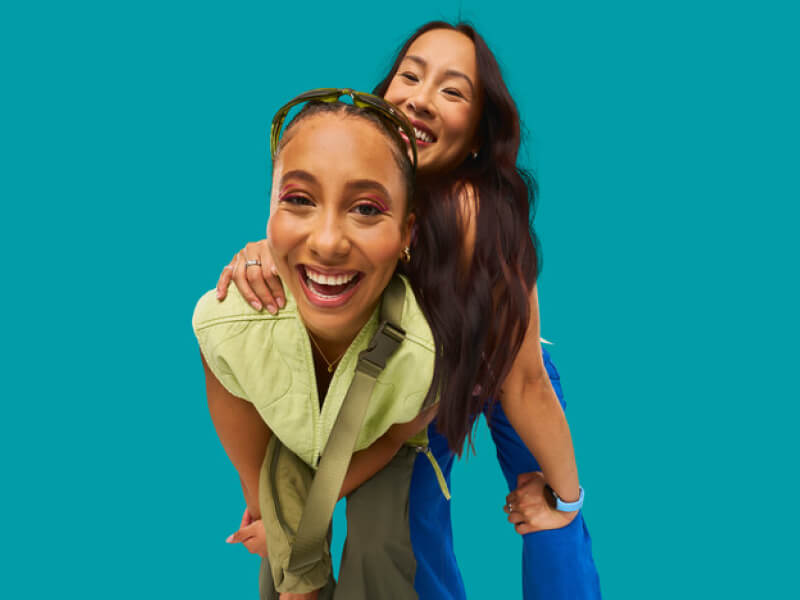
478	315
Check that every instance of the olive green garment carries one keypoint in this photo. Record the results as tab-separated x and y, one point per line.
378	561
267	360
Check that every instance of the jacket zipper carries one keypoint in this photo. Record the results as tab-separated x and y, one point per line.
439	475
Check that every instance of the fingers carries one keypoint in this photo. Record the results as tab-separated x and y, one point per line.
237	537
246	519
240	279
524	528
225	279
251	536
256	545
256	280
270	274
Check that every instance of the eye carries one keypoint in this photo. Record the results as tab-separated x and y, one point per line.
453	92
367	209
409	76
296	200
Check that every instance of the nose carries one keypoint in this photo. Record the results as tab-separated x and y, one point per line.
419	103
328	239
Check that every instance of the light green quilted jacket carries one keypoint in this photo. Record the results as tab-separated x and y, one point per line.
266	359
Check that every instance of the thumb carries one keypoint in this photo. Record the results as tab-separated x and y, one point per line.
250	530
239	536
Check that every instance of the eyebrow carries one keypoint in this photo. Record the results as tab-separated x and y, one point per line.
449	72
368	185
297	174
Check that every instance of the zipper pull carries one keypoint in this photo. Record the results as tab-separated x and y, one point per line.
439	475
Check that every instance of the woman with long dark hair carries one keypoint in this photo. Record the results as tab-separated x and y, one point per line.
473	267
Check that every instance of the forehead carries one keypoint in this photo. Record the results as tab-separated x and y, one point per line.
447	49
339	147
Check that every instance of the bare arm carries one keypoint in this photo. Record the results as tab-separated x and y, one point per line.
527	396
365	463
533	410
243	434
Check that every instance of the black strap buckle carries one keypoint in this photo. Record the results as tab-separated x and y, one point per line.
381	347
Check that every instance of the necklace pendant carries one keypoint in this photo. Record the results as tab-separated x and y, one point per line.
330	368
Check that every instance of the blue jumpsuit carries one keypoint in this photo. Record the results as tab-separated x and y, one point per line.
556	564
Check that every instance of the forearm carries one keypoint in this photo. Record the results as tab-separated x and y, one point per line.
365	463
250	498
533	410
243	434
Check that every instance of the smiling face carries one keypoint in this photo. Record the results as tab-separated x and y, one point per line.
338	222
437	87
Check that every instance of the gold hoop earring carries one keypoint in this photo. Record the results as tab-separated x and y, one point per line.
405	255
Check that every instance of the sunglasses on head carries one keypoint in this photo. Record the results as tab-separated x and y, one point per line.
384	109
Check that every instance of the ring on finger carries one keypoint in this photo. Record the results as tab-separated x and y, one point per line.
252	263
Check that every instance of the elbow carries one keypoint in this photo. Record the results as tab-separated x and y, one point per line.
531	389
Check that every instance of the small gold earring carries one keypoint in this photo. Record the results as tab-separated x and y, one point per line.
405	255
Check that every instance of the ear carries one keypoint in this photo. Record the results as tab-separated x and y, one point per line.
408	229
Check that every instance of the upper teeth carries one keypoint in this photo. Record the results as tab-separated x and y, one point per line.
421	135
328	279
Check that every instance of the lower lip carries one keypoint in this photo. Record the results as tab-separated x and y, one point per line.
320	301
420	143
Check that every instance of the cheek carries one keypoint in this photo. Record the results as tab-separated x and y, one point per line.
283	233
382	246
393	92
460	126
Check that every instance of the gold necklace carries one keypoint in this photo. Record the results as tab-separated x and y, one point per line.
322	354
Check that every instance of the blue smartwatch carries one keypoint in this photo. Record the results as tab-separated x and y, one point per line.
567	506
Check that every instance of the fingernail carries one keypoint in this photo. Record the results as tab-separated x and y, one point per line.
219	294
229	539
256	304
281	302
271	308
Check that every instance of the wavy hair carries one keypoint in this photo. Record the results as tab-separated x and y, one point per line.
479	313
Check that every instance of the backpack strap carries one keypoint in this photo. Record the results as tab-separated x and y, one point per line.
324	491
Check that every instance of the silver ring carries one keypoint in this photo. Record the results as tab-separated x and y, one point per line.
252	263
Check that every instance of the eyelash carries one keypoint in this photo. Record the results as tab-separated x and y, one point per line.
413	78
295	200
377	210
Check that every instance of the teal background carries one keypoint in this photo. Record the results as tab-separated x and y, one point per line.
133	165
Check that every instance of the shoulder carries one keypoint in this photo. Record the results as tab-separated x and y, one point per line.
468	208
209	311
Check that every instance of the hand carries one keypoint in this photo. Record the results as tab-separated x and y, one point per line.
401	432
251	534
532	508
260	286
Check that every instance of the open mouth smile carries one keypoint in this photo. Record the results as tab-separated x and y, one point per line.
328	289
423	135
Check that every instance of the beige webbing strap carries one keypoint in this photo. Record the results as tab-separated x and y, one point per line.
324	491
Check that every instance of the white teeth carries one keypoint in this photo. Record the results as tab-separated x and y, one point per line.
422	136
328	279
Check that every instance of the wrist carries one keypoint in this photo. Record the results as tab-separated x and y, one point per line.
562	505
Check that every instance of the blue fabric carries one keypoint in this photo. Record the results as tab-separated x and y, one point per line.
556	564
